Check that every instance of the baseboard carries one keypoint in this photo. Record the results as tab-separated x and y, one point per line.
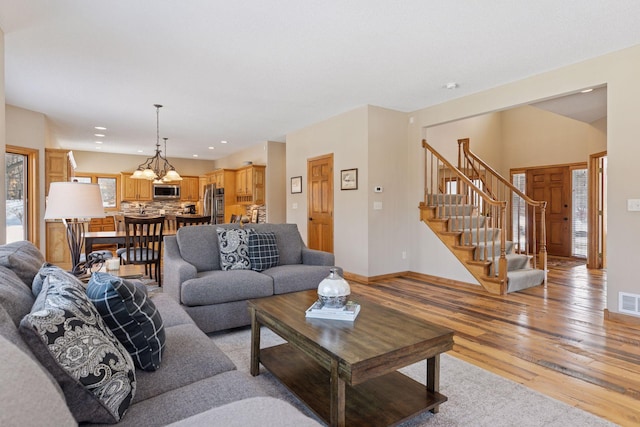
425	277
621	318
369	280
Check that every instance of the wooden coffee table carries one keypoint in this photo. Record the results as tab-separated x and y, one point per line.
346	372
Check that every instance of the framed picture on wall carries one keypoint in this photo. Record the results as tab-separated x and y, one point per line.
349	179
254	216
296	184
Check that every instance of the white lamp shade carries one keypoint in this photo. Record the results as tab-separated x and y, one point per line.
172	175
74	200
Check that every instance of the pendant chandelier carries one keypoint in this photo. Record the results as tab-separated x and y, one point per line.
157	168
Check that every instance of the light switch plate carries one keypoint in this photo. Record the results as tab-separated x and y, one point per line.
633	205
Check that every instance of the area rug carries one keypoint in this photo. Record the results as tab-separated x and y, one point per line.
476	397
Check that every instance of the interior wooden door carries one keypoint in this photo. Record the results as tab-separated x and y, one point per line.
553	184
320	203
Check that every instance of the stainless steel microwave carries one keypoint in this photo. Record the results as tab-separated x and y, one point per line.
166	191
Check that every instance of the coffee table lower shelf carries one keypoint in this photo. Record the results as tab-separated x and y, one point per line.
382	401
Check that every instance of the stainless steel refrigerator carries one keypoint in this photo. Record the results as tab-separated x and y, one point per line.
213	203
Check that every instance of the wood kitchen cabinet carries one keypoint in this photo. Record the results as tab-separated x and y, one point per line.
56	167
57	250
135	189
250	185
189	189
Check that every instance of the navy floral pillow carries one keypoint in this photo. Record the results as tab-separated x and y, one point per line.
234	248
67	334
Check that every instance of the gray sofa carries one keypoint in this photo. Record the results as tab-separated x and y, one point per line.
216	299
195	378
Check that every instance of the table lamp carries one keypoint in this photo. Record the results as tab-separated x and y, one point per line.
74	203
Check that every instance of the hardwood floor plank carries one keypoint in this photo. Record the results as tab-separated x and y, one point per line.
552	338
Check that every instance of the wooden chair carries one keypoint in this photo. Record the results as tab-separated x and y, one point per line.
192	220
170	222
143	244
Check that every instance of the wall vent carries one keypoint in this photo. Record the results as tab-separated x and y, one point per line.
629	303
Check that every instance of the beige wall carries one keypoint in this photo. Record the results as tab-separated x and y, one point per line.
387	153
535	137
3	190
29	129
346	136
276	182
90	161
257	154
617	71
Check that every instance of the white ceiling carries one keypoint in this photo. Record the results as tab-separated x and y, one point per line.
253	71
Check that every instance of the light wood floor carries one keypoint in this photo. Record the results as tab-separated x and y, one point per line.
552	338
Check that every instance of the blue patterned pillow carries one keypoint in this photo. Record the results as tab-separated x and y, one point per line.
234	248
132	317
67	335
263	251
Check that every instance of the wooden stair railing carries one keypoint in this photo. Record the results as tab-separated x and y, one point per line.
465	218
525	213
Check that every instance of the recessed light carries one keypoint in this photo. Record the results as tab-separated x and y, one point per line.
98	148
223	142
98	142
587	90
99	135
139	151
100	128
211	148
451	85
195	155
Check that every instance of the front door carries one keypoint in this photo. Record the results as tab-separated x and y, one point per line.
553	184
320	203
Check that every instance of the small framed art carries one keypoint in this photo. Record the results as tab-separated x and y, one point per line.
296	184
349	179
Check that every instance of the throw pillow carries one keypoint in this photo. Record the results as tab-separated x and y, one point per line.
263	251
132	317
234	248
68	336
23	258
48	269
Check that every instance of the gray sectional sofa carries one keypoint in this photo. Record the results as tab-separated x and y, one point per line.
195	384
216	298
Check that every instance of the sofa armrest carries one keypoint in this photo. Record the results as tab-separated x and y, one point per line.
175	269
316	257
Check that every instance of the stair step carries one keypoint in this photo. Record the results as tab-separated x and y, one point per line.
476	235
448	211
480	252
445	199
514	262
467	222
524	279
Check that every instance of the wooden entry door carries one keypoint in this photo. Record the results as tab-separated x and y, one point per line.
553	184
320	203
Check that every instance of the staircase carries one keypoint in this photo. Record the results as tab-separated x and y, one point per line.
474	211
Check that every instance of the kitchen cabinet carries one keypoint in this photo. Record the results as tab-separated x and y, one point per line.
189	189
135	189
250	185
56	167
57	250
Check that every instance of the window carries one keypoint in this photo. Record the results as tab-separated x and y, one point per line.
579	204
21	194
108	187
519	212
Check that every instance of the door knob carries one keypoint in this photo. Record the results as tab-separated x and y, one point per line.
566	219
310	219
